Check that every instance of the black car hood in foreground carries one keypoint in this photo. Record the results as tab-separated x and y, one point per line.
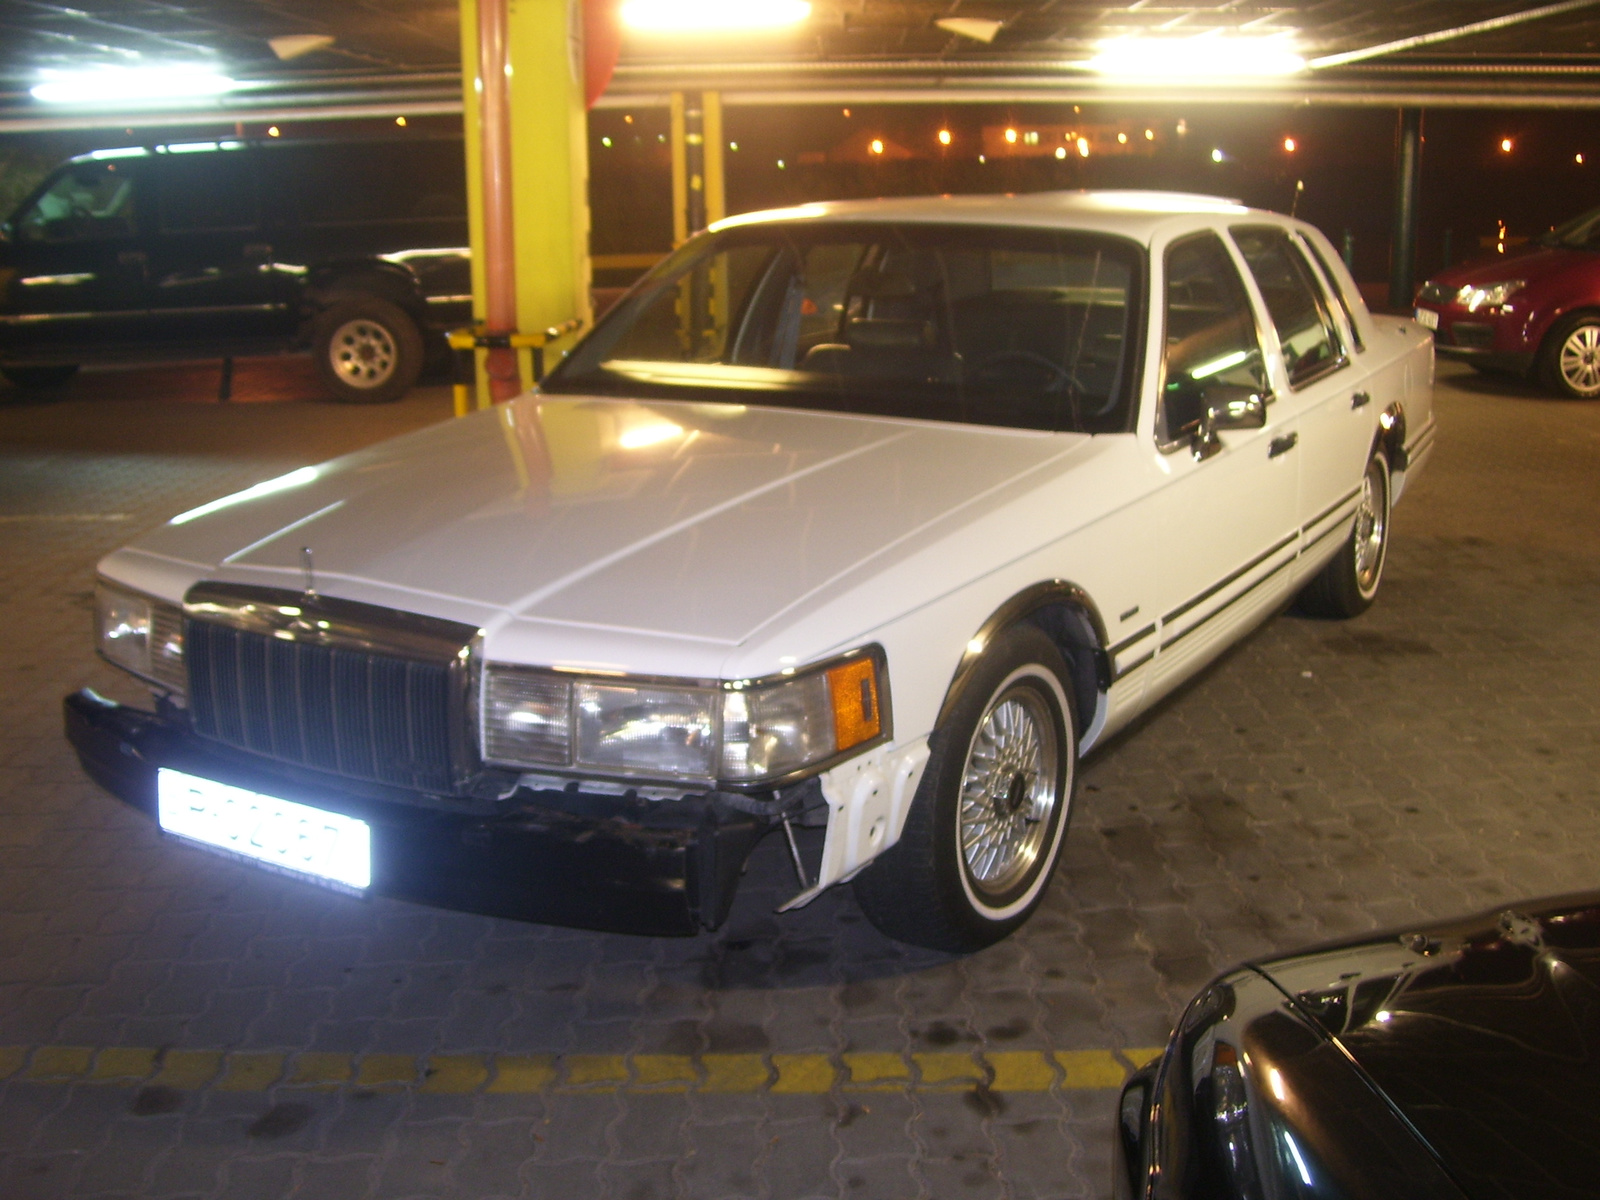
1483	1032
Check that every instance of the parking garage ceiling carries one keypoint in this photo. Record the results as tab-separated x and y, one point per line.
402	55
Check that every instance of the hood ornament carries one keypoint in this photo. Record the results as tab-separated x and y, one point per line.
310	572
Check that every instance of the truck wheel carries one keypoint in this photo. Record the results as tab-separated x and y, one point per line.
1570	358
367	350
1347	586
985	830
40	377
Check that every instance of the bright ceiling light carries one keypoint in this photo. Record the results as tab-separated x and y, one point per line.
1208	56
129	85
712	16
979	29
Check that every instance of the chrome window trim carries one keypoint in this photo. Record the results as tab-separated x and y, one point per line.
1267	397
1341	358
1331	284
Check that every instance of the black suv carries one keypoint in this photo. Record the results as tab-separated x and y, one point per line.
205	249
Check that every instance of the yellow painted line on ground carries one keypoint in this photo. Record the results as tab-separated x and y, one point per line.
575	1074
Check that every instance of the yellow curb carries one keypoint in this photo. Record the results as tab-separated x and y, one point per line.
1085	1069
948	1069
522	1073
875	1068
734	1073
316	1068
803	1074
455	1073
117	1063
587	1070
187	1070
59	1062
386	1070
11	1060
655	1070
1020	1071
250	1071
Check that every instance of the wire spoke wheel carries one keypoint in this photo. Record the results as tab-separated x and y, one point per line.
1008	790
363	353
1371	528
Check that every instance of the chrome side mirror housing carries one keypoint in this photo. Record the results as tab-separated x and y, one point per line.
1227	406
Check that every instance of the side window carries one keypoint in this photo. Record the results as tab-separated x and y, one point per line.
87	202
1335	287
205	191
1305	330
1210	336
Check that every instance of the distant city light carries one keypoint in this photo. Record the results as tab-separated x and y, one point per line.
847	112
1505	145
400	121
1061	151
1149	135
1216	154
781	165
1083	147
712	16
1122	139
982	158
272	131
875	145
944	138
1011	135
605	141
734	146
1290	145
129	85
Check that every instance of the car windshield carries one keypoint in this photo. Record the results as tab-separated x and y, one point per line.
1030	328
1580	233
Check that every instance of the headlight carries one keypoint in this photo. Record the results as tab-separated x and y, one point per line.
744	733
140	634
1488	295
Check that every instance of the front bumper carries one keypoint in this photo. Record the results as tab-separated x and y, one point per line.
614	863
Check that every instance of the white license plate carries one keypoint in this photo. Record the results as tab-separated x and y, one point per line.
297	839
1426	316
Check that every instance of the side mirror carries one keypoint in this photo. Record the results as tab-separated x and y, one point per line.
1227	406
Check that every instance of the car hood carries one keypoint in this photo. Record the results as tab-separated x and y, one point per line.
1533	264
1484	1033
699	521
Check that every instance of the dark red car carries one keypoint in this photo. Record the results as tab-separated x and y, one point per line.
1534	313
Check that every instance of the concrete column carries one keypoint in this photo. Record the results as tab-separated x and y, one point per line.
549	164
1403	242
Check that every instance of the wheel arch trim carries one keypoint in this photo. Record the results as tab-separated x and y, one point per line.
1081	638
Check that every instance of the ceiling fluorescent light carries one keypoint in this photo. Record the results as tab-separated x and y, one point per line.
129	85
1208	56
979	29
293	45
712	16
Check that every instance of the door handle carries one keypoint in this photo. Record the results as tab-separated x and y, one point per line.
131	258
1284	444
1360	400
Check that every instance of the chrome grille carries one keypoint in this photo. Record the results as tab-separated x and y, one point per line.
368	694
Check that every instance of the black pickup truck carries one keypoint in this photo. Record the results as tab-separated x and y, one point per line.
356	249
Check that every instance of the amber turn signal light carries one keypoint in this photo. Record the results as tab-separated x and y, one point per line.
853	692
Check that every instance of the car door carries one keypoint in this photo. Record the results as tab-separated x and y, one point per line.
1326	387
1227	517
211	276
77	263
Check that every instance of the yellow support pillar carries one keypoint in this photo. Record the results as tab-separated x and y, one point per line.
699	189
549	165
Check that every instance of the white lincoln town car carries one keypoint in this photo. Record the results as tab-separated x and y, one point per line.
872	517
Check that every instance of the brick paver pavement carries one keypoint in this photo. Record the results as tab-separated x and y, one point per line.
176	1025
